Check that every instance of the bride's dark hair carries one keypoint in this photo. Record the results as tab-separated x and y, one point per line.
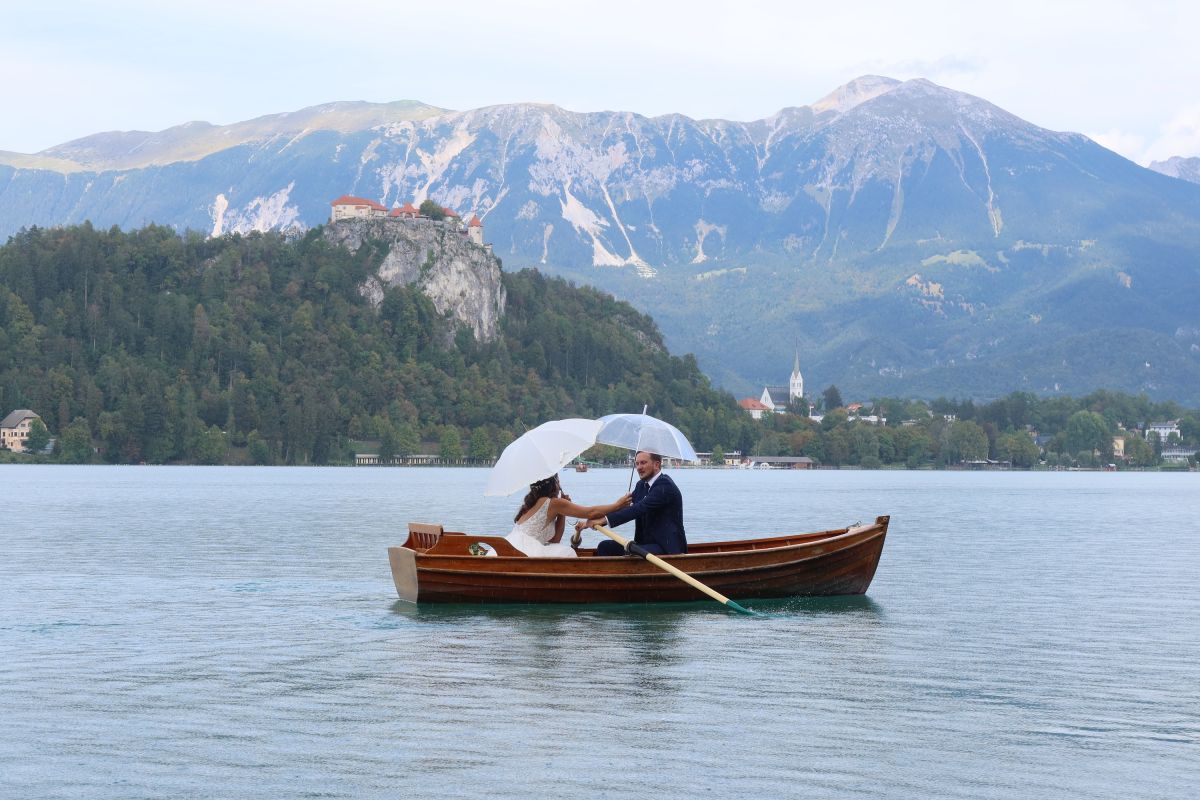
546	487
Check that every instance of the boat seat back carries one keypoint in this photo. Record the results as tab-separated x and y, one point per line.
423	535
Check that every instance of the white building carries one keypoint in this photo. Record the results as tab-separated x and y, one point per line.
1163	429
348	207
14	430
777	398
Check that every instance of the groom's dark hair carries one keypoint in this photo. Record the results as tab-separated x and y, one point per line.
655	457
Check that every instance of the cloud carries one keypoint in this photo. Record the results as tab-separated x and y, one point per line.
1130	145
1180	136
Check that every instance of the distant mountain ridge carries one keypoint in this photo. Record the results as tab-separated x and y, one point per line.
905	236
1184	168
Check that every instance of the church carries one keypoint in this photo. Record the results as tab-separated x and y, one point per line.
775	399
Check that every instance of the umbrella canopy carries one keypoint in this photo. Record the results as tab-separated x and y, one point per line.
643	432
540	453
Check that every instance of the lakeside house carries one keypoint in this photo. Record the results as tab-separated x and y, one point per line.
14	429
778	462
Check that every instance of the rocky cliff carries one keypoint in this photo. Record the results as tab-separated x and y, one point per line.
461	278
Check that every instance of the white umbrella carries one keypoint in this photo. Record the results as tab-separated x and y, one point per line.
540	453
643	432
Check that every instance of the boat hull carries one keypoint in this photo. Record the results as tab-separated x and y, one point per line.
437	567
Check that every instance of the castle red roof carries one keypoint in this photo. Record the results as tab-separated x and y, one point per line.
751	404
350	200
449	212
475	223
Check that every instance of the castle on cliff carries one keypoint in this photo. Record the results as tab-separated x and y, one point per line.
349	207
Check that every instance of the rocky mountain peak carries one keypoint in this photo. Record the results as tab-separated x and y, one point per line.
1186	169
854	93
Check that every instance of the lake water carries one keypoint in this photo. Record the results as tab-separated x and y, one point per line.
234	632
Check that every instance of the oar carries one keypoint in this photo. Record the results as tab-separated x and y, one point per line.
638	550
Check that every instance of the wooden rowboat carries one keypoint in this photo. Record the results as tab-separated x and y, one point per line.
437	566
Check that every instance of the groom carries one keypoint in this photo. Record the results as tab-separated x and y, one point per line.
657	507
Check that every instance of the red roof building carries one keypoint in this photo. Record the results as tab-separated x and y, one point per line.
754	406
406	211
350	207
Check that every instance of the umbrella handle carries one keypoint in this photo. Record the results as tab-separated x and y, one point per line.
635	452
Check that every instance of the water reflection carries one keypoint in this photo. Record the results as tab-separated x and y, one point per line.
625	645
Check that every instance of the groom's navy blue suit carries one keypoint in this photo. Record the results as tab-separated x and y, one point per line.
659	514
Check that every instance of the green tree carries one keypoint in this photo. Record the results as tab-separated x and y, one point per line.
407	441
387	441
213	446
1189	428
834	419
1088	431
718	455
832	398
430	209
260	450
964	440
1138	451
76	442
1018	448
481	445
450	444
39	437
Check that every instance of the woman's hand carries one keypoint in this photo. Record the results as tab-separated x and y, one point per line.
625	500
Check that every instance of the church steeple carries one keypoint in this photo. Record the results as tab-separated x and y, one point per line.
796	384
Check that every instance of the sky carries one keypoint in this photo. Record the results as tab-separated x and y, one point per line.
1126	74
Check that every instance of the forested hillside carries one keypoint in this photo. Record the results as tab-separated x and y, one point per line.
169	348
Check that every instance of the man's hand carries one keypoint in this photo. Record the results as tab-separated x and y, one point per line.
594	523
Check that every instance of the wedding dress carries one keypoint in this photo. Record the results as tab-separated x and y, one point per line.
532	537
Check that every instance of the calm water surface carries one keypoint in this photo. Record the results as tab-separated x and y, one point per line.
233	632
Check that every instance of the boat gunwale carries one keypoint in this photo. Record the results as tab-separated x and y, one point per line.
423	559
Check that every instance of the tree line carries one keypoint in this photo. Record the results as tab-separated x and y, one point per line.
150	346
1021	429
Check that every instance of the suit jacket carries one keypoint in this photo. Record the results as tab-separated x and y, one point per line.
659	515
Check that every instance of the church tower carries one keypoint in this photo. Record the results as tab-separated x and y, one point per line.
796	384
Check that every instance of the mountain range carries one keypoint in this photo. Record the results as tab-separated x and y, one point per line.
902	237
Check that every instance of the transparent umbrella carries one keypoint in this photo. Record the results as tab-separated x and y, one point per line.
644	432
540	453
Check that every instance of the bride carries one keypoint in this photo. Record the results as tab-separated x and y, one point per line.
543	515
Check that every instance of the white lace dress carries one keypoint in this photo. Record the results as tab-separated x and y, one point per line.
532	536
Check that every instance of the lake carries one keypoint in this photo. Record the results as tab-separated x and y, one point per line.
234	632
